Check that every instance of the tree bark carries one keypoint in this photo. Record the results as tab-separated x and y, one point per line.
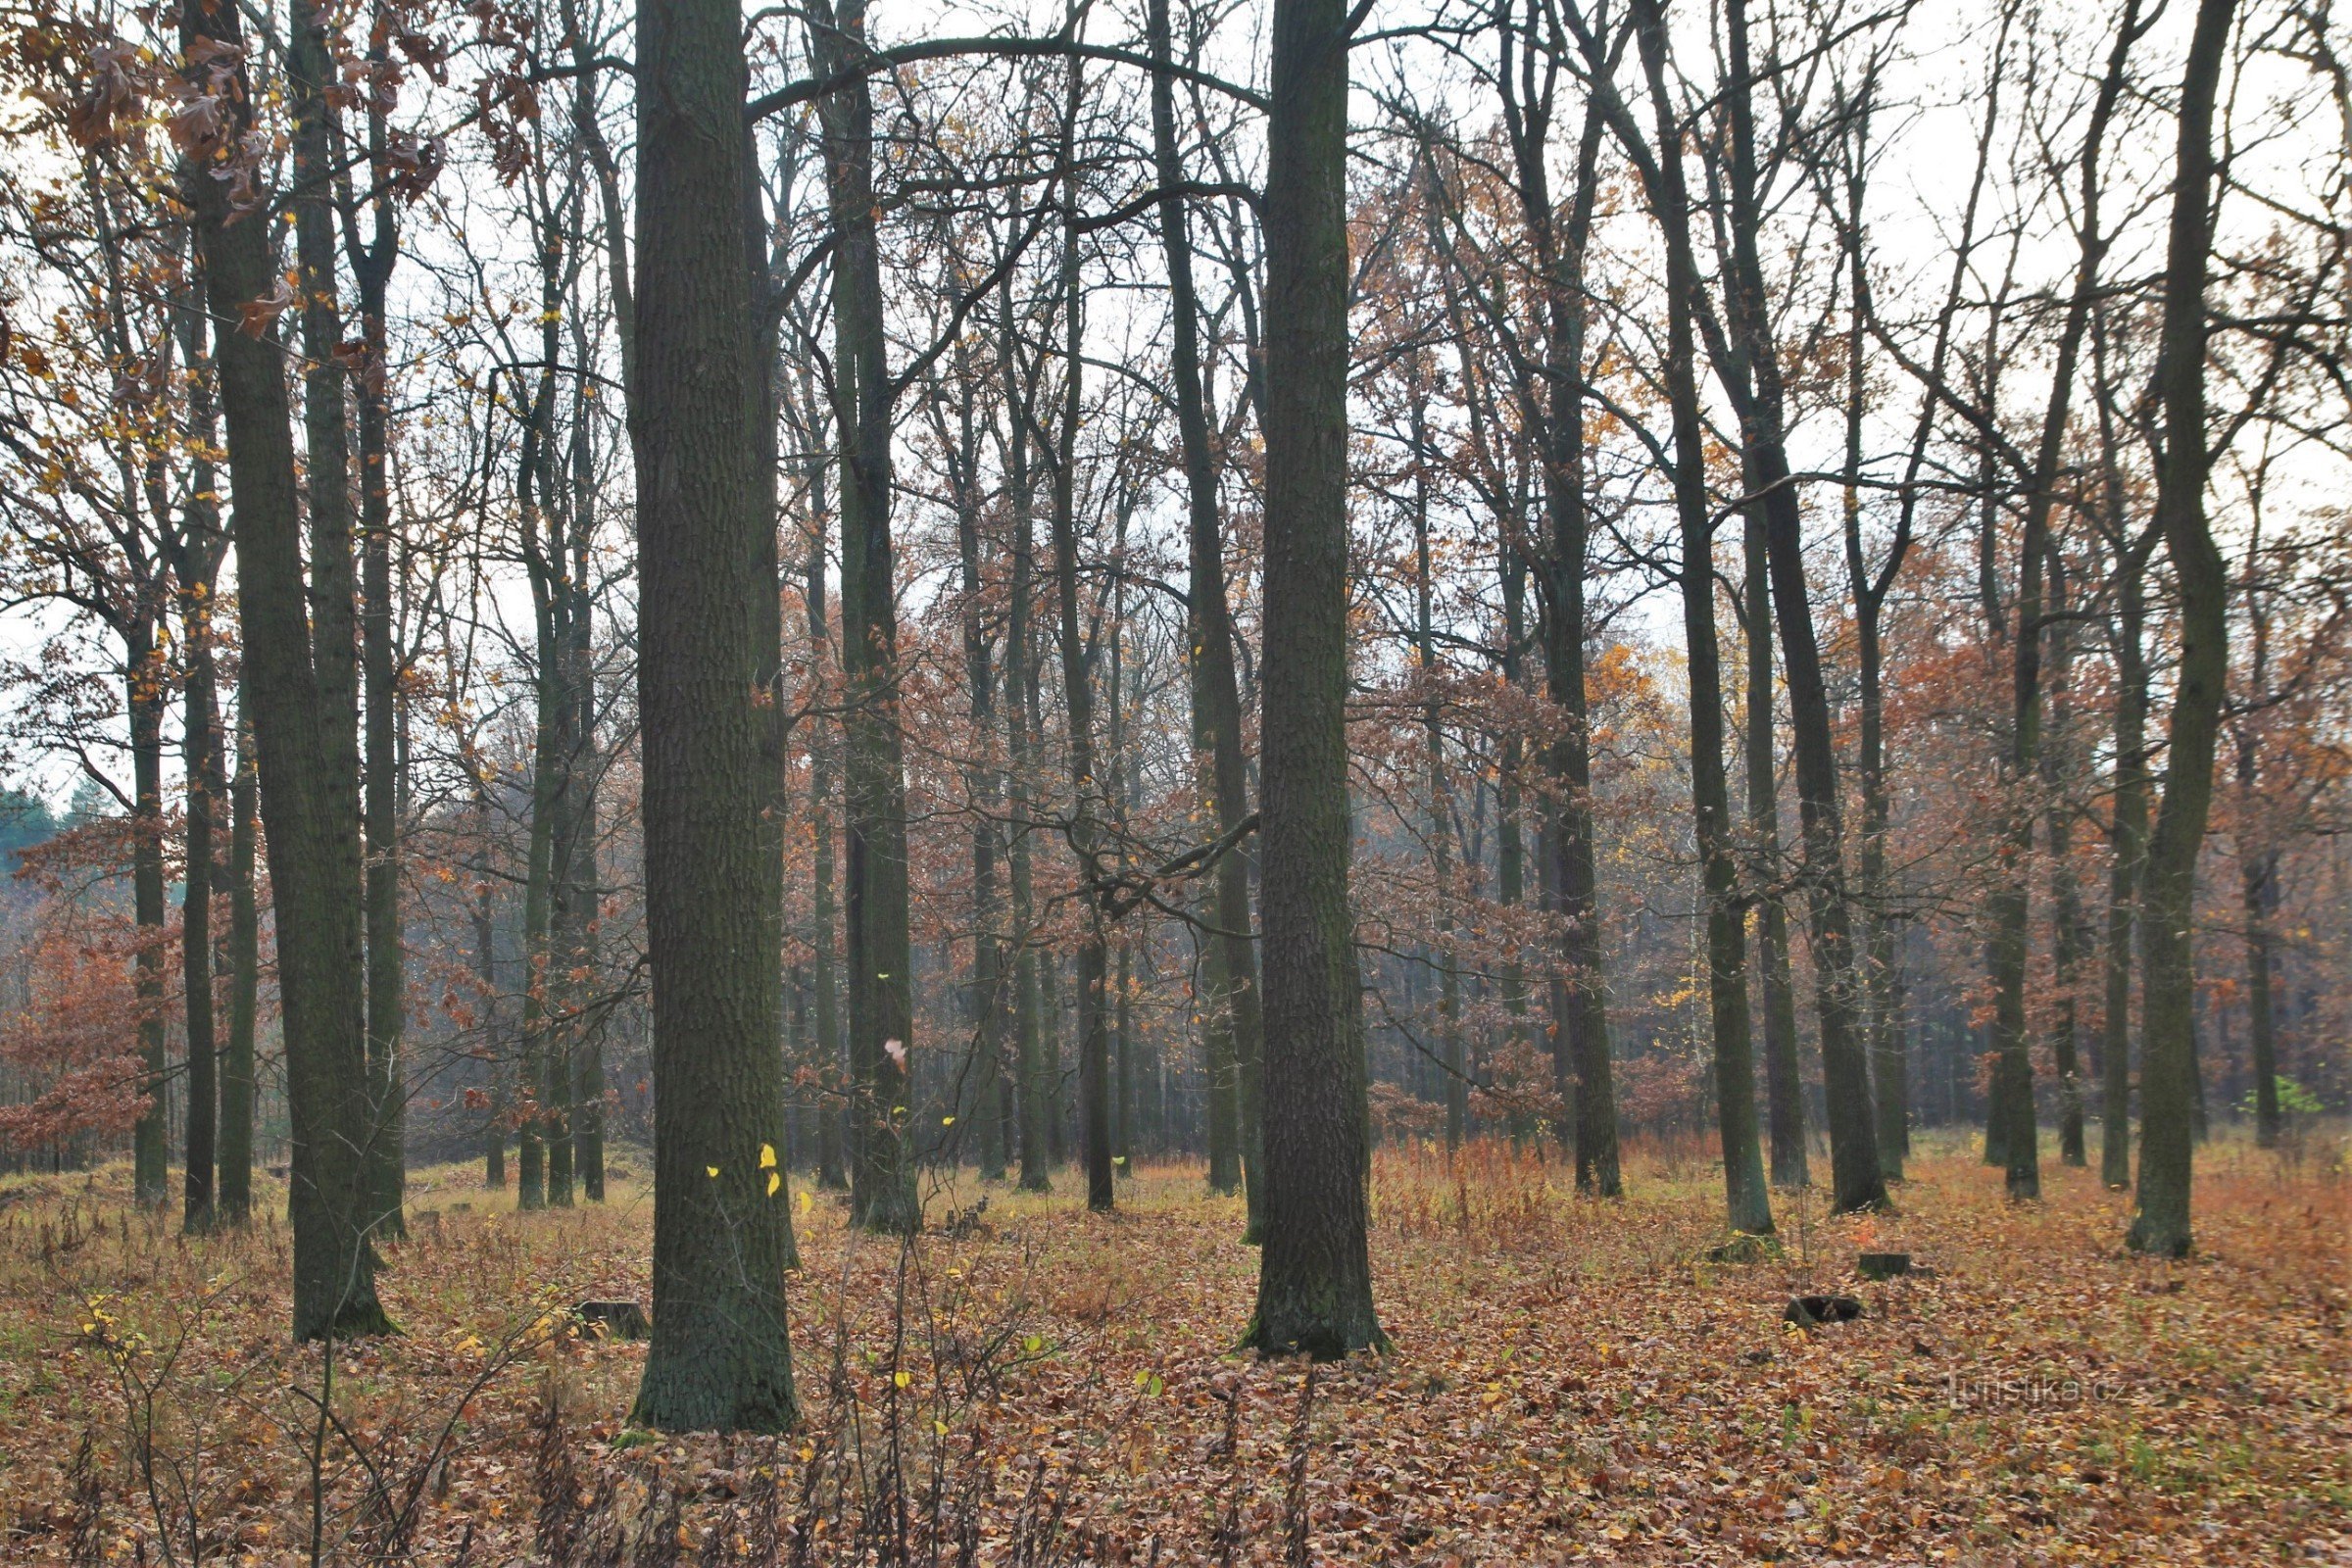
144	696
196	555
1581	1064
300	705
233	1198
1231	1003
1078	697
2167	983
1314	1292
874	776
1755	385
1748	1200
721	1357
1783	1077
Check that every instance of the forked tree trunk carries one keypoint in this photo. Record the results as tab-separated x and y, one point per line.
1784	1078
302	720
1747	1202
1858	1183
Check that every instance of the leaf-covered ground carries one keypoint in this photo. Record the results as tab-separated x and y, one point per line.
1569	1381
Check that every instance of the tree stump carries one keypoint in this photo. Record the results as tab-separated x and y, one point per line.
611	1320
1810	1311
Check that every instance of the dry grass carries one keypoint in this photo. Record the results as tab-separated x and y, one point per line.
1568	1381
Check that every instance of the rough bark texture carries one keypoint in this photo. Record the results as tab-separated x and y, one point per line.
303	719
874	774
719	1357
2167	983
1314	1292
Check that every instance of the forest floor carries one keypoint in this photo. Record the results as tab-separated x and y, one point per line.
1569	1381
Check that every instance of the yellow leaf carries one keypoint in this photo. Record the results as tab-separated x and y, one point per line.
711	1171
902	1379
767	1157
947	1121
805	1204
774	1181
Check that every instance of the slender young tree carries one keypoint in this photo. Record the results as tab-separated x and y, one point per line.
1581	1024
1231	1003
233	1188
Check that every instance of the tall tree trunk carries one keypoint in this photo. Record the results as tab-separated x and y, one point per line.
874	776
1784	1078
1580	1066
196	565
1755	380
1231	1003
1439	821
2126	848
1881	981
2014	1084
1087	780
721	1357
387	1082
234	1196
1314	1288
832	1167
1748	1200
2066	897
144	699
580	923
984	782
200	743
2257	875
2169	1088
485	960
302	707
1021	705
